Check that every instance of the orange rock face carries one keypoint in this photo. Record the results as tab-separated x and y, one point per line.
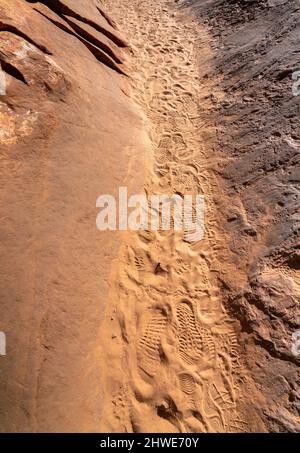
68	133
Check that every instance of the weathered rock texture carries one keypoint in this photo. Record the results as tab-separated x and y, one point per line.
63	100
257	148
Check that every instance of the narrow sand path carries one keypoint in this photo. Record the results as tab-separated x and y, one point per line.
171	355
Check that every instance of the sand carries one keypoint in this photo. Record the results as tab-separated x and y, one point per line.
171	358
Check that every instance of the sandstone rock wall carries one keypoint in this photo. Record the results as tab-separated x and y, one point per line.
257	146
68	133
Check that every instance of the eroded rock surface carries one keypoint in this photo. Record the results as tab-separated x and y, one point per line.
62	101
258	144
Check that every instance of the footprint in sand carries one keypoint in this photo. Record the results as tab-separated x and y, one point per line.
148	351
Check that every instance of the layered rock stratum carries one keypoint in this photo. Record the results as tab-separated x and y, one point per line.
145	331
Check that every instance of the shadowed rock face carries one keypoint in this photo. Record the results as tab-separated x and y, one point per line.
258	144
62	101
